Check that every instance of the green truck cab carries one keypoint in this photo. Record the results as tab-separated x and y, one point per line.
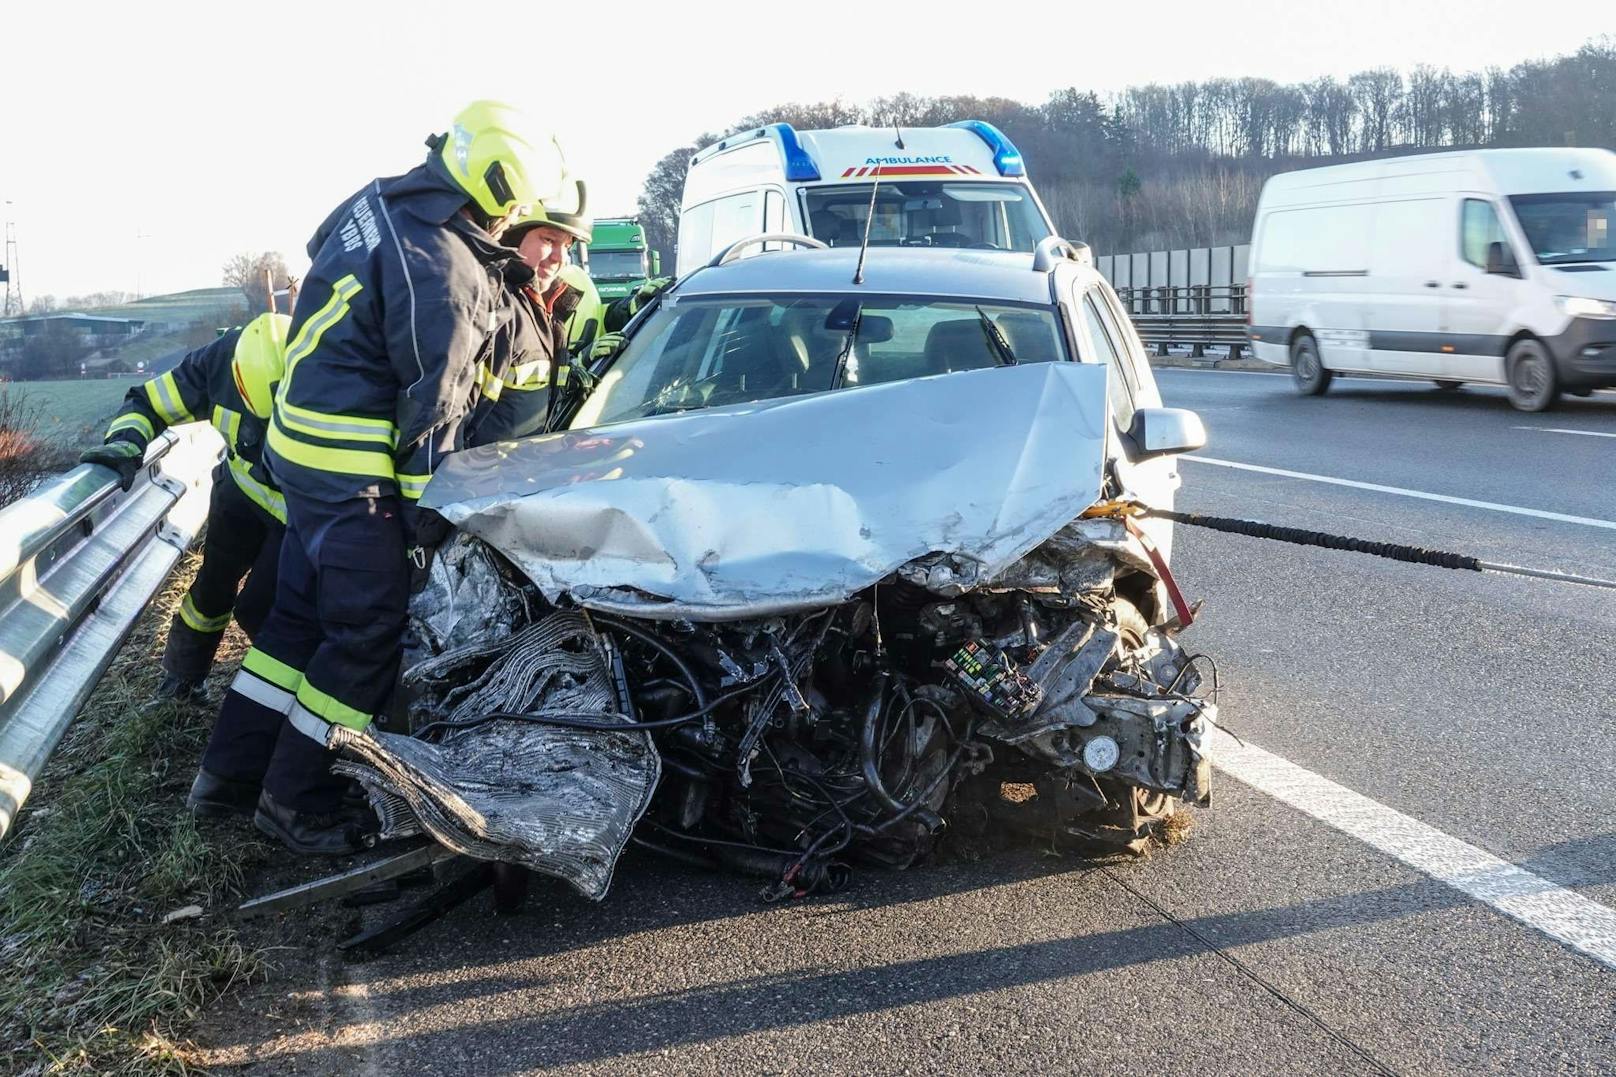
618	260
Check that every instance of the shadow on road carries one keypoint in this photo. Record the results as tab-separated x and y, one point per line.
547	1021
1468	399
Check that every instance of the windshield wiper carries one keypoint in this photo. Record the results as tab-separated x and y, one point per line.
996	341
847	349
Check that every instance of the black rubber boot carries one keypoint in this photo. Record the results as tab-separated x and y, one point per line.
213	797
341	832
176	689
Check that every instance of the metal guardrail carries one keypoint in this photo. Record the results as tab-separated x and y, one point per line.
1194	314
79	560
1194	297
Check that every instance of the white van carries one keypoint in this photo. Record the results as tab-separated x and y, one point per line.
963	185
1488	266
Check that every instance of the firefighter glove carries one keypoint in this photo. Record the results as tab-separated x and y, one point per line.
605	346
124	457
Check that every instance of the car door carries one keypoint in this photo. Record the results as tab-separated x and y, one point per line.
1410	259
1477	304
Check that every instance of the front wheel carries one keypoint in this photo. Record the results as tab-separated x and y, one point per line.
1532	383
1307	368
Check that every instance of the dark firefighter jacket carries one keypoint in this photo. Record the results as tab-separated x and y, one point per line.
568	320
517	404
203	387
407	312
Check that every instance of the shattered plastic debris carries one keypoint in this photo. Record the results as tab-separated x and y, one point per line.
559	801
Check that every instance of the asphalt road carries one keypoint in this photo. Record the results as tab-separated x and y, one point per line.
1271	941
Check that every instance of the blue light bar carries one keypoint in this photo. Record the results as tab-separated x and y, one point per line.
800	167
1006	158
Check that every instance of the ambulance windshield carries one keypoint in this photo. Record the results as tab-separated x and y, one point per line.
938	213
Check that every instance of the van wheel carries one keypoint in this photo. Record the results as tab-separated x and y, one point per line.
1448	385
1307	368
1532	385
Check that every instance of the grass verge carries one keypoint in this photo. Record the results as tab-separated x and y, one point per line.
95	980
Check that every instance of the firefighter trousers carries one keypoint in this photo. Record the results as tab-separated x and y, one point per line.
242	540
327	654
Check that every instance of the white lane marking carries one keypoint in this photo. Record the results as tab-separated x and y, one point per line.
1211	370
1285	374
1565	430
1491	506
1564	915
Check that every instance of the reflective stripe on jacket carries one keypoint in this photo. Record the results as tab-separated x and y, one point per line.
405	302
202	388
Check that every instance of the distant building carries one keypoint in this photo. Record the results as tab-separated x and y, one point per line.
86	325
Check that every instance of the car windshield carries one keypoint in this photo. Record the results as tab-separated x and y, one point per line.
1566	228
985	216
708	351
616	265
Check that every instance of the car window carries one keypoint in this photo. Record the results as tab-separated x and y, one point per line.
1479	227
709	351
1101	347
1118	330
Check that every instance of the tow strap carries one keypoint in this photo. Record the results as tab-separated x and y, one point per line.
1417	555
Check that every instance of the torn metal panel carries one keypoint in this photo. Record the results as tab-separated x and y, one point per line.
465	599
559	801
791	504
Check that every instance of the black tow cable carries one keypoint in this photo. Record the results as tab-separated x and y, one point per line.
1417	555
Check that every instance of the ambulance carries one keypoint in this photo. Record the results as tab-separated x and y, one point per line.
959	186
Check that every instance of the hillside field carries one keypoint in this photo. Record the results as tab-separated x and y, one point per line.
73	412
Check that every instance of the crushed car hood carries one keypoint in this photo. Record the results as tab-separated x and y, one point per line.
796	503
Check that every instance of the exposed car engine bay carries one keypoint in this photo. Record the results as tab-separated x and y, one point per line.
750	643
792	747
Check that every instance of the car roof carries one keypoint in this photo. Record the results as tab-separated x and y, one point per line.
993	275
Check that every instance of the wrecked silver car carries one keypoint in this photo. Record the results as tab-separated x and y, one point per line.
813	573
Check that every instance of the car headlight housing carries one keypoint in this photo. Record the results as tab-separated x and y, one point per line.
1582	307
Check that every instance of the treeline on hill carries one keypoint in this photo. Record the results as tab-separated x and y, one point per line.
1165	166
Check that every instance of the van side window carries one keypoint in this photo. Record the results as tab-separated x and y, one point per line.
736	216
1099	346
1479	227
712	226
696	230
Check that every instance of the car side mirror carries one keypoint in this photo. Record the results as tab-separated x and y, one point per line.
1165	432
1500	262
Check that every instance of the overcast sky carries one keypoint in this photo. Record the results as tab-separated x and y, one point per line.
146	142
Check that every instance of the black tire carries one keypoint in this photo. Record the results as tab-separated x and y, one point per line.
1530	371
1307	368
1448	385
1131	624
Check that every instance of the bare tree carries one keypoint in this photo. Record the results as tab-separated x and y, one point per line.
248	272
1174	165
661	195
1378	94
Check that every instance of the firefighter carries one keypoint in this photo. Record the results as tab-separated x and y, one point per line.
569	314
398	327
566	313
229	382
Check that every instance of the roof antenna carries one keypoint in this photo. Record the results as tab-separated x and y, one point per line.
869	219
899	134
